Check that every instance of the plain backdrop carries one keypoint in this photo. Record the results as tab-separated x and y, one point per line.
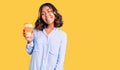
92	27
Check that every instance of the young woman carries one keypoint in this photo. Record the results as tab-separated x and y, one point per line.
47	45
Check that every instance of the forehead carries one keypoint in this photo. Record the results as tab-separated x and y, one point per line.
45	8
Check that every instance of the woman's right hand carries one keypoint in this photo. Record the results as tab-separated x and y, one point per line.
28	38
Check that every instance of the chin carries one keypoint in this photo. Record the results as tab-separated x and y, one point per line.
49	23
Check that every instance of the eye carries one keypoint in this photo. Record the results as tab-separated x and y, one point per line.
49	11
42	14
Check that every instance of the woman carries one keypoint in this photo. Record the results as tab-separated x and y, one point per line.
47	45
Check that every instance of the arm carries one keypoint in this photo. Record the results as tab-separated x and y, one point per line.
29	47
61	55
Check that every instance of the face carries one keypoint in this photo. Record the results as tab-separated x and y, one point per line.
48	15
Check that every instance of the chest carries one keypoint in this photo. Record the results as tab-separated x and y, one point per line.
52	40
48	43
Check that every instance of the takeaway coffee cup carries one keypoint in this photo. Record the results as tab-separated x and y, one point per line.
28	29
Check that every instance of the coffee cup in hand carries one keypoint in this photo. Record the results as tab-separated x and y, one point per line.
28	29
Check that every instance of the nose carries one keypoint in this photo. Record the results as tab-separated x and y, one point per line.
46	14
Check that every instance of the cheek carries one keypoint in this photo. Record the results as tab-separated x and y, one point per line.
43	17
53	16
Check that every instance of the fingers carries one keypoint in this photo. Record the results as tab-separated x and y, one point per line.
24	33
28	36
29	39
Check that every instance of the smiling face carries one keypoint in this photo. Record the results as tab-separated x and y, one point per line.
48	15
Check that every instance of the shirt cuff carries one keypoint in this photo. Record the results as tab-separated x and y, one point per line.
30	44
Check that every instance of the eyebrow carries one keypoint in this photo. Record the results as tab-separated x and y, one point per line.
47	9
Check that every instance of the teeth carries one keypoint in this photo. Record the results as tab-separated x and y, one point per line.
48	18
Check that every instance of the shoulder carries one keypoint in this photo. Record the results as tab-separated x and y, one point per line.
36	31
61	33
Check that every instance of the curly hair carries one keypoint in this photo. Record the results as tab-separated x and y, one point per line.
40	24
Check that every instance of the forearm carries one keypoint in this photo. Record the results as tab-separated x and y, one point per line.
29	47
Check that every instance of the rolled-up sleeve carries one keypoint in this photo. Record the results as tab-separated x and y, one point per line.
61	55
29	47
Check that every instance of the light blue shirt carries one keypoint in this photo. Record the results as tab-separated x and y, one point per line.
47	51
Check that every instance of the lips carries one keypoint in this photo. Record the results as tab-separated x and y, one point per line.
49	18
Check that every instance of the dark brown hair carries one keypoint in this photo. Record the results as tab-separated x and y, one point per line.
40	24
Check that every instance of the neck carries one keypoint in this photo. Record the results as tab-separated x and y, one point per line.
50	26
